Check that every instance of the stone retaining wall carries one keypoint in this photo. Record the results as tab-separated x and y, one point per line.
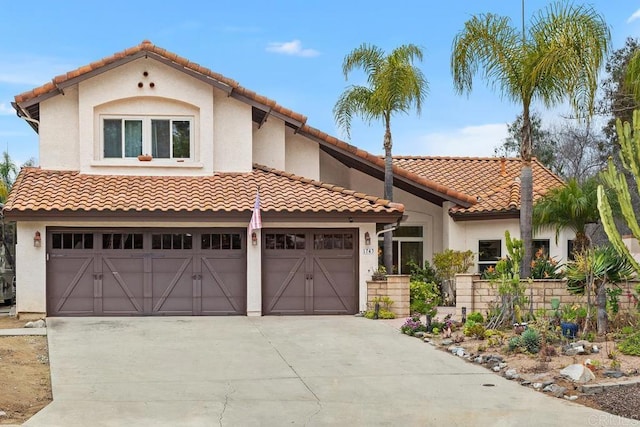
395	287
479	295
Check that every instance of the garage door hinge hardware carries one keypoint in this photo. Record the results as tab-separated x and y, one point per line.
97	276
197	277
309	276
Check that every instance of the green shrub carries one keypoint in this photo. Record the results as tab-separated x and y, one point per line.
476	331
424	297
514	343
476	317
531	340
630	345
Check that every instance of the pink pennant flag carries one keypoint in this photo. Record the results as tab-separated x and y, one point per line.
256	217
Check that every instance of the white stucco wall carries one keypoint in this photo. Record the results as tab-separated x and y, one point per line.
334	172
30	268
302	155
116	92
232	135
59	132
418	211
268	143
465	235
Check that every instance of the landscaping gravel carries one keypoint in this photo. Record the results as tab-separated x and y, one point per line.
623	401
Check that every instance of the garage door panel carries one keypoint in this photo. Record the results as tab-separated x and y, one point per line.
122	285
332	285
72	285
284	286
223	285
172	285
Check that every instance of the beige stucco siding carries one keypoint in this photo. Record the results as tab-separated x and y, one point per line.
302	155
232	135
59	132
268	143
333	172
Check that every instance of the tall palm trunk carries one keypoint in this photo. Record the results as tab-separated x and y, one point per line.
388	195
526	194
601	301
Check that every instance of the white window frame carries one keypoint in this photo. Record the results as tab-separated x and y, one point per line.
146	136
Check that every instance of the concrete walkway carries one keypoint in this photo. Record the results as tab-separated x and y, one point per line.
275	371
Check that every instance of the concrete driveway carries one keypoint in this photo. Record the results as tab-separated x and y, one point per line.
275	371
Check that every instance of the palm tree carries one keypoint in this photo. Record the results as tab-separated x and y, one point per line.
572	206
8	172
557	60
395	85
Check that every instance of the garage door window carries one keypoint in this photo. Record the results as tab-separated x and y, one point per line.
333	241
228	241
172	241
72	241
122	241
284	241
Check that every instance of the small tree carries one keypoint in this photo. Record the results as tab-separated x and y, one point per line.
592	271
447	265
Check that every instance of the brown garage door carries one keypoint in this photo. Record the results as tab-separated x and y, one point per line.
309	272
146	272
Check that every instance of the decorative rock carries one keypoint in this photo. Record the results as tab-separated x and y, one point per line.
446	342
546	384
580	349
478	359
525	382
37	324
595	349
511	374
555	390
460	352
537	386
612	373
426	340
502	365
570	351
571	397
578	373
418	334
496	368
3	414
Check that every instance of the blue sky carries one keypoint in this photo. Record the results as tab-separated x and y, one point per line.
290	51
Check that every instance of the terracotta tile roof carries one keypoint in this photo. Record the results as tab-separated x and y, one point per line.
38	190
147	46
494	181
398	169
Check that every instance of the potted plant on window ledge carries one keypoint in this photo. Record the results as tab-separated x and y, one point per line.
145	157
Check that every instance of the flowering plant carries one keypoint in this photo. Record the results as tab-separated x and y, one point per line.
413	325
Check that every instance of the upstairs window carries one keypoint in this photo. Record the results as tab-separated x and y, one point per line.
163	138
489	253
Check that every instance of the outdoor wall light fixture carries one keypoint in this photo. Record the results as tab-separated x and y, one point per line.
37	240
367	238
254	238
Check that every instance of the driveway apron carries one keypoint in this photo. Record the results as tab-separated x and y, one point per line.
275	371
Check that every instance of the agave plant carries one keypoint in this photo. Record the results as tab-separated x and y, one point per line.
592	270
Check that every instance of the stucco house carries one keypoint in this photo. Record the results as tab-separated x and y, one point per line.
149	170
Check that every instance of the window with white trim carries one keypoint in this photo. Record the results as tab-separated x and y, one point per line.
161	137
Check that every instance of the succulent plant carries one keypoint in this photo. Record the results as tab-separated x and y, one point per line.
531	340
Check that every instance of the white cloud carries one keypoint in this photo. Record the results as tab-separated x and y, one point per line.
30	70
634	16
6	109
292	48
469	141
